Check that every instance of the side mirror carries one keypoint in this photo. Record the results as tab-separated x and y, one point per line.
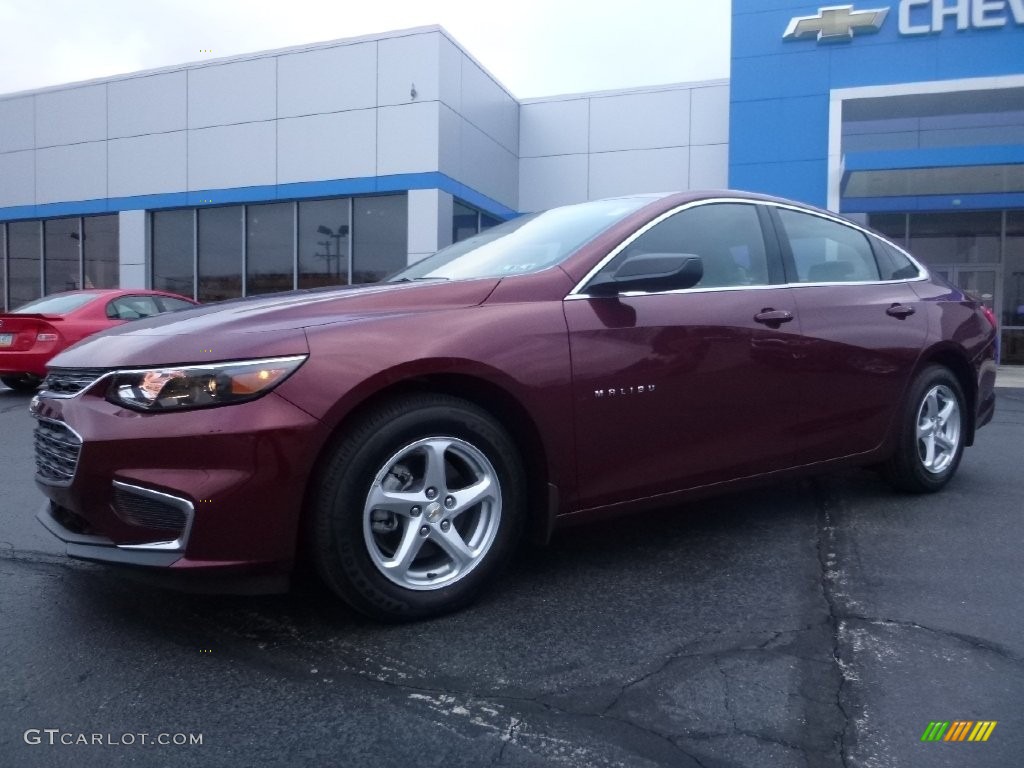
650	272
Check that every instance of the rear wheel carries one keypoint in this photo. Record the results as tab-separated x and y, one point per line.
24	382
418	508
931	440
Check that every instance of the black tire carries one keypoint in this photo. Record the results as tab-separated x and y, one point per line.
342	536
907	469
25	382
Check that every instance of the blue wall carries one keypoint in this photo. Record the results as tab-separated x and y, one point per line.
778	139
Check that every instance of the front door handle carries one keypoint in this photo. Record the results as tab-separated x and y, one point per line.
900	310
773	317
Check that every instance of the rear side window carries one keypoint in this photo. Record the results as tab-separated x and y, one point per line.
172	305
892	263
726	236
825	251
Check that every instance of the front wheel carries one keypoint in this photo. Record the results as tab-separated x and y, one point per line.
931	440
418	508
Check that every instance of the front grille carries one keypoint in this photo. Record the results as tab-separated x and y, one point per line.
148	512
70	381
57	450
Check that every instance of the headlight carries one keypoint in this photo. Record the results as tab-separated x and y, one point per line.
199	386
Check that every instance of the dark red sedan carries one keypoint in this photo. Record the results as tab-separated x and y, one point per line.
35	332
590	360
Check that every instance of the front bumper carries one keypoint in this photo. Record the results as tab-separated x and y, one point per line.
215	490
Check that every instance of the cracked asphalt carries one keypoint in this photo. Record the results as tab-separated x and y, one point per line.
821	623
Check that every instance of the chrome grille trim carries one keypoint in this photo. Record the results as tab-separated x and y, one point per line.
57	450
183	505
68	382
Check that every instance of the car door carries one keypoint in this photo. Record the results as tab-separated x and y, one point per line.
863	332
683	388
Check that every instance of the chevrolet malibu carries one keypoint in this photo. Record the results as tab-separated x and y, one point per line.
586	361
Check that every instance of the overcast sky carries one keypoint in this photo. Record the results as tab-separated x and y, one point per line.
535	47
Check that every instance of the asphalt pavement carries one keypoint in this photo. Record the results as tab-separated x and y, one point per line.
820	623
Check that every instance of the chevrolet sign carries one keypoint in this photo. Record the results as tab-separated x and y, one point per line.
836	24
839	23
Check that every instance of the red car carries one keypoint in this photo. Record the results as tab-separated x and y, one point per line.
35	332
590	360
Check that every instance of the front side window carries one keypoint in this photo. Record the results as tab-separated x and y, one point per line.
132	308
726	236
825	251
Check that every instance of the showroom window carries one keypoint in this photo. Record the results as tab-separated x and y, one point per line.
269	265
220	253
100	243
43	257
243	250
380	237
324	257
174	265
62	257
25	250
3	268
467	221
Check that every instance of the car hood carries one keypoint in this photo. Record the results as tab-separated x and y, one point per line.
261	326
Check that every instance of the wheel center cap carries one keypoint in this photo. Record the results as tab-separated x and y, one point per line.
434	511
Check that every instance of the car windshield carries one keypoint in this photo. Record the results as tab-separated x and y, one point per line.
60	304
526	244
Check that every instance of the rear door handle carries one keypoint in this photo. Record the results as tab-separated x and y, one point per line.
775	317
900	310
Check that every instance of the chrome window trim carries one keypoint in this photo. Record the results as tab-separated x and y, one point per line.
577	292
46	394
179	544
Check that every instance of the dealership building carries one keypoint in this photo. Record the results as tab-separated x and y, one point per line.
341	162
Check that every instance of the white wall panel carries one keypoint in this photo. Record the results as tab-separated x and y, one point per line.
709	115
449	159
488	106
450	76
709	167
488	167
405	61
554	127
18	172
430	222
74	172
151	104
17	124
545	182
146	165
240	92
71	116
638	170
327	80
231	156
407	138
132	246
648	120
341	145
